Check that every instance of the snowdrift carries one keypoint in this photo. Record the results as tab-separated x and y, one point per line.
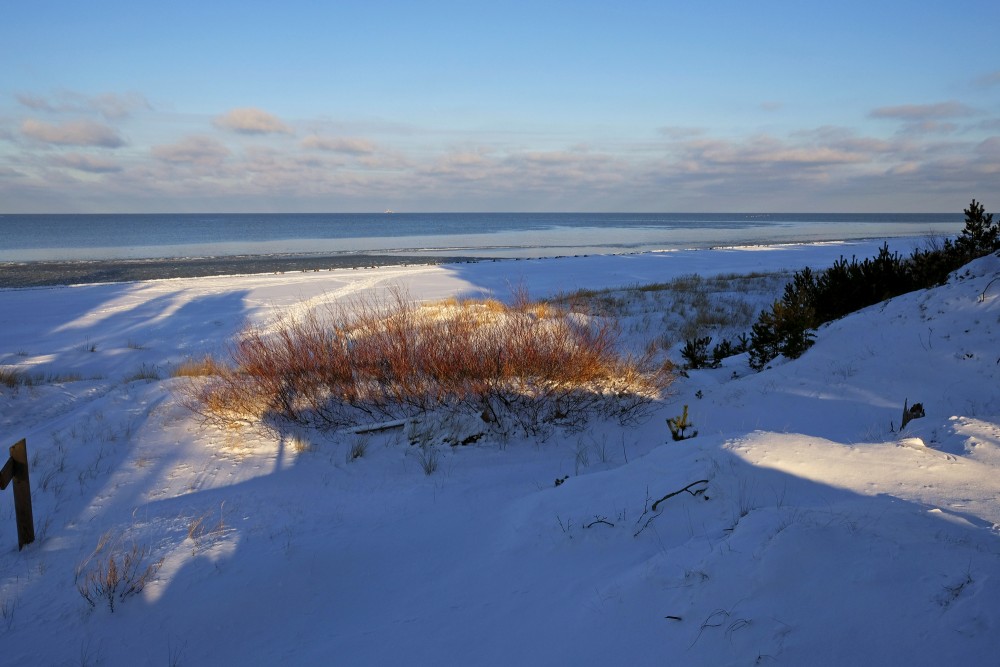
804	527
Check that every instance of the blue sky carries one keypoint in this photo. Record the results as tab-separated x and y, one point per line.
500	106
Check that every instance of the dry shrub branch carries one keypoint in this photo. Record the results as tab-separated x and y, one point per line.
524	366
117	568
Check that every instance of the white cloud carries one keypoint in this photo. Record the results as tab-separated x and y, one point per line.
73	133
35	102
923	112
350	146
990	148
112	106
251	121
676	132
197	150
88	163
765	150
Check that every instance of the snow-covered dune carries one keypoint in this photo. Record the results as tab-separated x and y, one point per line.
806	527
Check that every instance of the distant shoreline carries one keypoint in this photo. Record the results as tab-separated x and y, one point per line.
54	273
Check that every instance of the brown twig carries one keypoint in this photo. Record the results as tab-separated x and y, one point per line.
679	491
696	492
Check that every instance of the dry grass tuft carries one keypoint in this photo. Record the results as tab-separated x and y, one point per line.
13	377
195	368
144	373
686	307
207	526
117	569
523	366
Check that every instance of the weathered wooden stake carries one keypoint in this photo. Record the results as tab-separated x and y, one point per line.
16	469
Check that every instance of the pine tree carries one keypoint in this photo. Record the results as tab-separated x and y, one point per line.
980	235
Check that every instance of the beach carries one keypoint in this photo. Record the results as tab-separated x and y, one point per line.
79	272
48	273
609	543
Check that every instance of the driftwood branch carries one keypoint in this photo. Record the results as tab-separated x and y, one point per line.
375	428
687	488
696	492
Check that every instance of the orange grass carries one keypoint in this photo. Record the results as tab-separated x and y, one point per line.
525	365
196	368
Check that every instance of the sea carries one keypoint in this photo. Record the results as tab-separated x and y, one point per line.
40	238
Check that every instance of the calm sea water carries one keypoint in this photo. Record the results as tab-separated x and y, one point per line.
27	238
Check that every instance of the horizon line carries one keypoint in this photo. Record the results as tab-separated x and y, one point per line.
501	212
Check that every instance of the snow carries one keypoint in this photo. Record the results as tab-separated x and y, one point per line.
823	535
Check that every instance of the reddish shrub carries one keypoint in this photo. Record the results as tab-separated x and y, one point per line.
526	366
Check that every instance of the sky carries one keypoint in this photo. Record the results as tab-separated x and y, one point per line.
298	106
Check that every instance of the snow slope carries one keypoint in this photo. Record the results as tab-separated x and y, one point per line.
821	534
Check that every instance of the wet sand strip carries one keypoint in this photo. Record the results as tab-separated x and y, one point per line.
43	274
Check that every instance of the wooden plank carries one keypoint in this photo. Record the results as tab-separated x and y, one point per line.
375	428
22	495
6	474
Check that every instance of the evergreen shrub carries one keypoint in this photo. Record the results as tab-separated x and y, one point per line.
810	300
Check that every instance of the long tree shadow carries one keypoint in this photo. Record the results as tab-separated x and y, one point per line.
101	330
87	466
353	554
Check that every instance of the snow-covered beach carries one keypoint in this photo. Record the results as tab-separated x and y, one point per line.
813	530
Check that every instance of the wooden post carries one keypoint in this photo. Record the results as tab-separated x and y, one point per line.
16	470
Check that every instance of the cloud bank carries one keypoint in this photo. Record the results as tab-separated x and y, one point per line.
350	146
72	133
922	112
195	150
113	106
929	157
251	121
88	163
